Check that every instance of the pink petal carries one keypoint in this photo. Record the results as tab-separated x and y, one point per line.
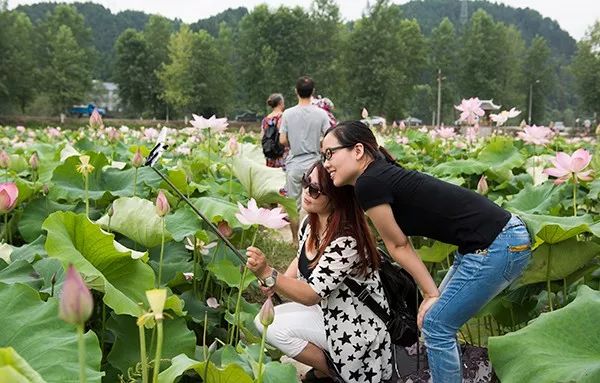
585	176
563	161
554	172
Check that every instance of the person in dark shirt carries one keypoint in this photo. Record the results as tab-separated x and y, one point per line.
494	246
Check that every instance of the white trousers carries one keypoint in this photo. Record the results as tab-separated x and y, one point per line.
294	326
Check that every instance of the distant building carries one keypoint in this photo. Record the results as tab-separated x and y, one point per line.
105	95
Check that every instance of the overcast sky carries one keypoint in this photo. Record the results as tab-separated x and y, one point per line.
575	16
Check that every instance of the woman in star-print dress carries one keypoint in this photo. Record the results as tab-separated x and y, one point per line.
326	321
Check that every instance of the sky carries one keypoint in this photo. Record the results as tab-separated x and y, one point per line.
574	16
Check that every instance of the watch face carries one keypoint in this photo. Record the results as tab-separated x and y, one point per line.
269	281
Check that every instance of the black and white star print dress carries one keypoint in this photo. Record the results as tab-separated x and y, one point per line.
357	339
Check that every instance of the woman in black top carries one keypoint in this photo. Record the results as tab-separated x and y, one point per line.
493	245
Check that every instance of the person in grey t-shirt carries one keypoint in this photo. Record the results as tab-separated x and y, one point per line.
302	128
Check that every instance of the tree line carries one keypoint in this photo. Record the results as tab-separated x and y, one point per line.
382	61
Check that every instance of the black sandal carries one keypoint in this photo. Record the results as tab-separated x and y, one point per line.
311	377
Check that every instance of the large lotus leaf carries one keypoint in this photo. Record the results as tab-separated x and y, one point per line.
18	163
501	156
36	211
136	219
228	272
30	251
263	183
176	261
26	190
564	258
458	167
20	272
231	373
436	252
69	184
48	269
125	352
559	346
594	189
15	369
75	239
553	229
536	199
32	327
186	222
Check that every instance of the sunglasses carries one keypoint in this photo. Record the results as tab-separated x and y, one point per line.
314	191
328	153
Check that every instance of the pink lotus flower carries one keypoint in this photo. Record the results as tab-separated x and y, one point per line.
150	134
402	140
4	160
137	159
76	301
218	125
536	135
482	185
96	120
471	134
253	215
402	125
34	161
470	110
445	133
8	196
503	116
20	129
162	204
232	147
54	132
267	312
570	167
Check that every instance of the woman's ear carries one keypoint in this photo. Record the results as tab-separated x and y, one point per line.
359	151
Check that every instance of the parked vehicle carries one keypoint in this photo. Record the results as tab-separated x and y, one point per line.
247	116
85	110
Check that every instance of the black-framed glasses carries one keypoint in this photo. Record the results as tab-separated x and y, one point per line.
313	189
328	153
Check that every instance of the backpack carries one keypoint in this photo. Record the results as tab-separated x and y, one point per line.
271	147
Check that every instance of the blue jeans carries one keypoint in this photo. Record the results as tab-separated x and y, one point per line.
472	281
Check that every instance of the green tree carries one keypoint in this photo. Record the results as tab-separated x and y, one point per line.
66	77
538	73
131	71
157	33
443	56
586	68
510	77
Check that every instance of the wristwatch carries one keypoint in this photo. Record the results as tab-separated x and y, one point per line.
271	279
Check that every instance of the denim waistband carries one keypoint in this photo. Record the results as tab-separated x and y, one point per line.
514	220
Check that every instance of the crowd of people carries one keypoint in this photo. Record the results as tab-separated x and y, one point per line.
341	179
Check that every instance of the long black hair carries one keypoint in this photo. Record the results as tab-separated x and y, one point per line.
350	133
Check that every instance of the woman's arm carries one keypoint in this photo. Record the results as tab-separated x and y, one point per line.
293	288
292	270
402	251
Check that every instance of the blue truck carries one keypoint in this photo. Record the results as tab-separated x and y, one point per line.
85	110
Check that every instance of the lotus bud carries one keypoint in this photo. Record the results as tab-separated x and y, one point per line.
156	299
111	210
225	229
8	196
96	120
4	160
482	186
34	161
242	131
365	113
76	302
138	159
162	204
212	347
267	312
45	189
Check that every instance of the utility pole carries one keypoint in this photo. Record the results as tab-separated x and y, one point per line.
439	96
531	100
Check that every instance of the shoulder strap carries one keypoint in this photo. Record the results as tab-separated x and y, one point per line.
363	295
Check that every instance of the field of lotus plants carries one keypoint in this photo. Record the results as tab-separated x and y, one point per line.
106	274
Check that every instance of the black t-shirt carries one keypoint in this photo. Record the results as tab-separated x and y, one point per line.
425	206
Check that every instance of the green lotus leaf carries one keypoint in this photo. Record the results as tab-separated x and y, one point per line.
30	251
559	346
49	345
262	182
125	352
501	156
74	239
564	258
227	271
69	184
36	211
136	219
20	272
181	363
553	229
456	168
536	199
436	252
15	369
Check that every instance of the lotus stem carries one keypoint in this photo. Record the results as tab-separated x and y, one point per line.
159	343
162	251
204	346
548	288
135	181
87	198
574	195
81	346
143	356
261	353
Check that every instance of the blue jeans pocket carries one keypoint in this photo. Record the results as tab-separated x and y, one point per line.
518	258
